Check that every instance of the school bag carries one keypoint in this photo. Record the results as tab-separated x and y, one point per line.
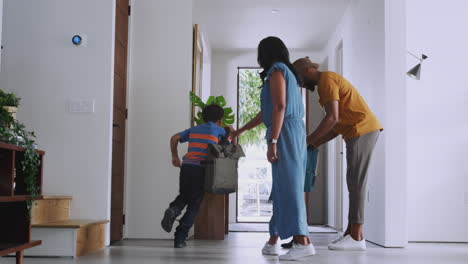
221	168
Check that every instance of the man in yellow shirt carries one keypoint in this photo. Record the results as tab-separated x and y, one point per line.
347	114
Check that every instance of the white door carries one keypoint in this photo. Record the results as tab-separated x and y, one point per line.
337	167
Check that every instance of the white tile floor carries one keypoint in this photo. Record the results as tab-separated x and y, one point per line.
263	227
244	248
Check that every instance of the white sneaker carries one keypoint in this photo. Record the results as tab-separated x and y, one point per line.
336	240
273	250
298	251
348	244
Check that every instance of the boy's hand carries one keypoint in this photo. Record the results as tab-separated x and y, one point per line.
176	161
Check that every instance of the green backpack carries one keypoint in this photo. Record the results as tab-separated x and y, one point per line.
221	168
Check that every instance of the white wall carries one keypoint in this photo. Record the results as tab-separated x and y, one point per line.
224	82
43	67
368	47
437	122
160	81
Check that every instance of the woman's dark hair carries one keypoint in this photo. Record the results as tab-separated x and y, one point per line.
212	113
270	51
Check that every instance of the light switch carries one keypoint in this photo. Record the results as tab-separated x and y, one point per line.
81	106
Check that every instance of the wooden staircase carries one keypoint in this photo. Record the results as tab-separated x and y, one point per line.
60	235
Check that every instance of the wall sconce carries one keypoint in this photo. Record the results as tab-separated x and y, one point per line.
415	72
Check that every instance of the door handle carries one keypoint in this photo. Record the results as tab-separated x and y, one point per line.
115	125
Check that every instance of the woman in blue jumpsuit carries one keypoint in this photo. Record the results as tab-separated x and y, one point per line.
282	111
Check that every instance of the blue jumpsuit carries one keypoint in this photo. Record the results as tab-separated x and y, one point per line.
289	212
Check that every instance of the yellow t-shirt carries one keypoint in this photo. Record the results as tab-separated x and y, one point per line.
356	118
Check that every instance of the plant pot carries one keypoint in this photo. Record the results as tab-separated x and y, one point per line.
12	110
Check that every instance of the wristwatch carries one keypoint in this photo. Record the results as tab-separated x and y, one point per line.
272	141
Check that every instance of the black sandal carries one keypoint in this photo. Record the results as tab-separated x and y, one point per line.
288	245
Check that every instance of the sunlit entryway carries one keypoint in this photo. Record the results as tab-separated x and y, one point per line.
253	204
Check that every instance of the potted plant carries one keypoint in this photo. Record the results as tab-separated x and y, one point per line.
14	132
9	102
218	100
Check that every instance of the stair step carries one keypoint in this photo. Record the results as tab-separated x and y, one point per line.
51	209
57	198
68	238
71	223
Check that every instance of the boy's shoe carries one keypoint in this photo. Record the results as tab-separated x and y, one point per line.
179	243
288	245
273	250
298	251
348	244
168	221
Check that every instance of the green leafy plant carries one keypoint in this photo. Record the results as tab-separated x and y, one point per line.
249	106
13	132
229	116
9	99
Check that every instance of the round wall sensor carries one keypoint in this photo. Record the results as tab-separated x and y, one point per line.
77	40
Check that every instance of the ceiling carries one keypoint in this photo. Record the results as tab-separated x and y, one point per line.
241	24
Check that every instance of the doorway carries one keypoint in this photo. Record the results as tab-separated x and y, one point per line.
119	120
255	180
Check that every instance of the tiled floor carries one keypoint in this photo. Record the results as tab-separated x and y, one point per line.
244	248
263	227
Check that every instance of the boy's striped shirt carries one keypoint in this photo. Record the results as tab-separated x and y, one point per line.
199	137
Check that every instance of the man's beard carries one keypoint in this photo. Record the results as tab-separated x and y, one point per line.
310	85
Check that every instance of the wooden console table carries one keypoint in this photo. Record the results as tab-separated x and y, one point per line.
212	222
15	224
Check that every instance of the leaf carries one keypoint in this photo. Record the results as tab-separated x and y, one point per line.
228	111
196	100
221	101
211	100
229	116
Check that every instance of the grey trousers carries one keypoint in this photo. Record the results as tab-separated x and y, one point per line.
358	155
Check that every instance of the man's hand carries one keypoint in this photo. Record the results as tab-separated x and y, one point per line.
272	155
309	140
176	161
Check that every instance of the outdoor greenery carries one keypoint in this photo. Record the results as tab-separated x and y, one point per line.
13	132
218	100
249	106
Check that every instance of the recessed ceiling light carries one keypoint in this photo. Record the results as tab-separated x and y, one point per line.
275	11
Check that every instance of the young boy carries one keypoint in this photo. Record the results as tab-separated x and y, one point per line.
192	172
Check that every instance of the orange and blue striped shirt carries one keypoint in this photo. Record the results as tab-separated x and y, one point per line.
199	137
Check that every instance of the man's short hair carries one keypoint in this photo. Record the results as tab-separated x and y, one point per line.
212	113
305	63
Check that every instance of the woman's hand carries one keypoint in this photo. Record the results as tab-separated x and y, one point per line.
236	133
272	155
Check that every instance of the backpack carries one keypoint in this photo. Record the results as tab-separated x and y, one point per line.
221	168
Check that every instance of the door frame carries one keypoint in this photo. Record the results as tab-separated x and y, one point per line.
120	220
337	161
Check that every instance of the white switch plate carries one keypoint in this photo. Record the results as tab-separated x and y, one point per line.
81	106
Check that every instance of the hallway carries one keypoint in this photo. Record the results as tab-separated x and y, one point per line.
245	248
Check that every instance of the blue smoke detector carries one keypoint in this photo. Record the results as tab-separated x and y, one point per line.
77	40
